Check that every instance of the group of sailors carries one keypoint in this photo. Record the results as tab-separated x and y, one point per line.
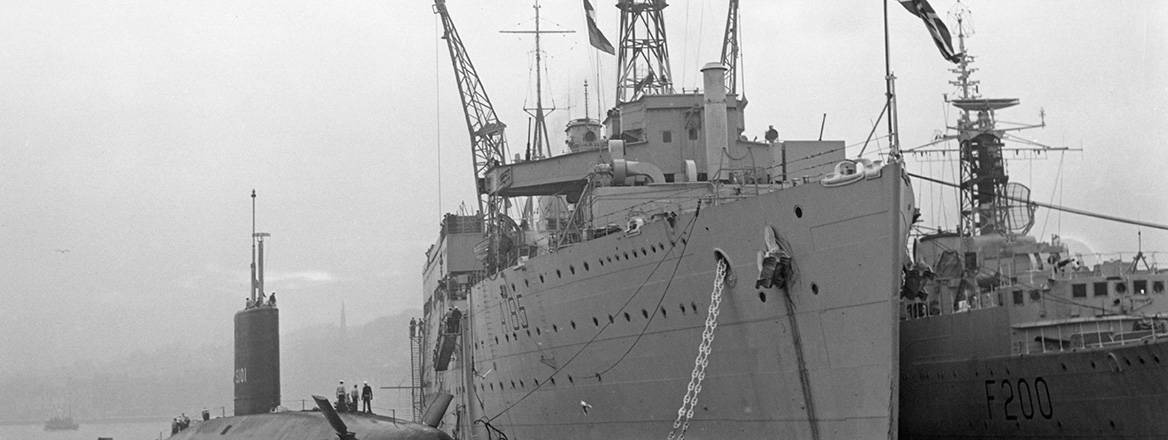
347	400
183	422
270	301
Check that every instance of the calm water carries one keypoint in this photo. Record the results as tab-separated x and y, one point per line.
89	431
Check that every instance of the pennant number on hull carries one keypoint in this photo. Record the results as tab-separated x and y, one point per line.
1018	398
514	313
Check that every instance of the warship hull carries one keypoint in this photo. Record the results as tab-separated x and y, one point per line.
598	339
1116	392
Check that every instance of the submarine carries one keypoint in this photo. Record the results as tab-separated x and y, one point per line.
257	412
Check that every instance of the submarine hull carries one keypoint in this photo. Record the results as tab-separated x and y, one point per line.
306	425
257	360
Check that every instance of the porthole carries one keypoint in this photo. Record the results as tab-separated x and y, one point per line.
572	269
586	266
526	283
512	287
558	274
814	288
693	307
798	211
507	337
610	321
663	313
644	252
627	317
601	261
538	332
573	323
541	278
595	322
555	328
570	379
626	256
762	296
682	307
645	313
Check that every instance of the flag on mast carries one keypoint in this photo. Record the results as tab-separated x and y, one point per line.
594	35
936	27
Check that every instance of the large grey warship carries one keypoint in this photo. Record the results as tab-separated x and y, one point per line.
1008	336
664	235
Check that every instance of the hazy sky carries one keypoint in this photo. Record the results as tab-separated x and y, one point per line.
132	132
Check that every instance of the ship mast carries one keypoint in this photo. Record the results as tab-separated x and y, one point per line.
988	202
538	141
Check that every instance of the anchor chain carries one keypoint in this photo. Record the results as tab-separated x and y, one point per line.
685	413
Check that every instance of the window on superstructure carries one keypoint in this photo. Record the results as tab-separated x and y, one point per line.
1140	287
971	261
1018	300
1121	287
1079	291
1035	295
667	136
693	134
1100	289
1158	286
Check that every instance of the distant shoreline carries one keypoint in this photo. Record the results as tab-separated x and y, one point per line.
101	421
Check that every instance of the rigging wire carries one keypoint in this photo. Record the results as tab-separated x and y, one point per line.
1058	177
656	307
1059	208
438	109
685	235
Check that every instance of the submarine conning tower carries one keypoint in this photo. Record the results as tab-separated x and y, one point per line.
257	340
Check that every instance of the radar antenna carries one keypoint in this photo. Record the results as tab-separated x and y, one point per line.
643	61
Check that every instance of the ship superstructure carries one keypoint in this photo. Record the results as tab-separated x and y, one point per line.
1008	336
678	280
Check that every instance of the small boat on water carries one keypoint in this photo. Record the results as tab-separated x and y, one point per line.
61	423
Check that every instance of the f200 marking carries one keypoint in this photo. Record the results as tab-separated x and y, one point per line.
1019	397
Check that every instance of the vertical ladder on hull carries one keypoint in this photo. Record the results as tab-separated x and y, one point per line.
417	393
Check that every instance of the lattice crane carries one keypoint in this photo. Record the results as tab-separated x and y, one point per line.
730	48
488	144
